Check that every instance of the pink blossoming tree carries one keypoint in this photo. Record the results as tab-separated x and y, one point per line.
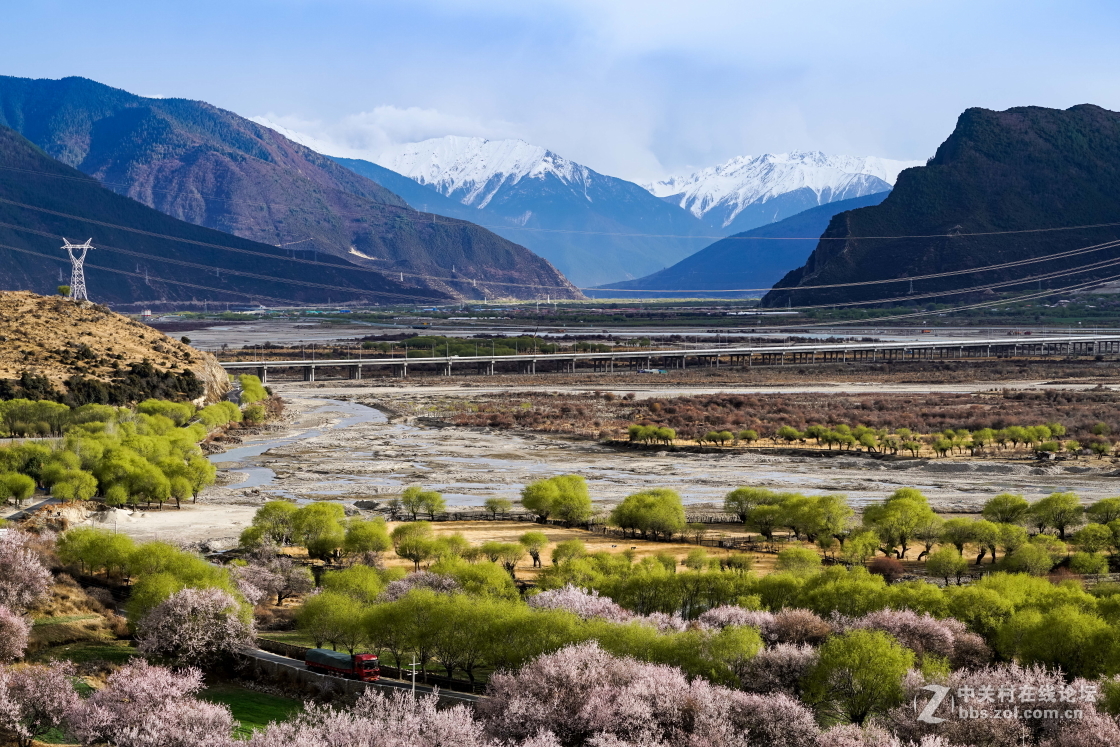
148	706
14	632
23	578
35	699
195	626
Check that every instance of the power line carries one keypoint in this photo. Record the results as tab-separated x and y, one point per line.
968	271
348	267
717	237
984	304
970	289
227	291
831	323
209	268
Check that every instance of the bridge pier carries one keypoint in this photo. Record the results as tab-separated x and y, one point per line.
262	374
309	373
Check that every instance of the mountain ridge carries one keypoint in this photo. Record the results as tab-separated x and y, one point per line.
593	227
143	256
757	258
748	191
211	167
1018	170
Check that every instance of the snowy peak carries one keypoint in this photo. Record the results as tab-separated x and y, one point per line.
473	169
749	180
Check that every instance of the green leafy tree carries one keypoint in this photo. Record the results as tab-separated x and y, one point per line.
1058	510
497	506
741	501
366	538
75	485
251	389
986	534
1011	538
1093	538
1088	563
656	513
946	563
897	519
413	500
414	541
361	582
432	503
958	533
928	532
274	522
858	675
798	560
319	528
16	487
1070	639
789	434
1006	508
1030	558
564	497
1104	511
534	543
567	551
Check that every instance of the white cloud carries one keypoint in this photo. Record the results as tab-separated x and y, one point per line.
367	134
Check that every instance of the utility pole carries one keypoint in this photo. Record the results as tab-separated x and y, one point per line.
413	668
77	273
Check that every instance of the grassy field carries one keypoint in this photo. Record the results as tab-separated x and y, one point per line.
251	709
114	652
294	637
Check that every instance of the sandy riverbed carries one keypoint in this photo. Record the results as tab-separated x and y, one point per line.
333	447
377	458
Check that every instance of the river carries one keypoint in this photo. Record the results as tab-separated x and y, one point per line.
343	450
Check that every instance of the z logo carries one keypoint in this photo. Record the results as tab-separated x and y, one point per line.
939	693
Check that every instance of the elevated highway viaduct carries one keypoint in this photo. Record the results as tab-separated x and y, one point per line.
1030	347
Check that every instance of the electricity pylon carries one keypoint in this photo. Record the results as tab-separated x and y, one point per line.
77	275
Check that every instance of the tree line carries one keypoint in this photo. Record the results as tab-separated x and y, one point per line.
1047	437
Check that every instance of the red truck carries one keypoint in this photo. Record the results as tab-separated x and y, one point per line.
352	666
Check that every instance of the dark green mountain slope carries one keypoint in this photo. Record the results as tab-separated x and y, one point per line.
753	259
211	167
128	267
1016	170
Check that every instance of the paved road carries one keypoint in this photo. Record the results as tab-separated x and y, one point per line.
384	682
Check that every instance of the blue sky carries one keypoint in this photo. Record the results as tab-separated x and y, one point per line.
638	89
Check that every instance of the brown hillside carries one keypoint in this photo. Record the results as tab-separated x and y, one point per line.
57	338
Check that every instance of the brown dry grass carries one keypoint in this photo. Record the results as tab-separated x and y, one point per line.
43	334
589	415
72	614
477	532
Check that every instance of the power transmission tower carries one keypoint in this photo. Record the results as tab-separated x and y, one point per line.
77	275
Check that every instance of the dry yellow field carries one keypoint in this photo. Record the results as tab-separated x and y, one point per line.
477	532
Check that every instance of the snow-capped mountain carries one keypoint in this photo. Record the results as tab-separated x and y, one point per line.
749	191
473	170
593	228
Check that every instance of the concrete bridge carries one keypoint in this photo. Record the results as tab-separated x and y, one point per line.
1025	346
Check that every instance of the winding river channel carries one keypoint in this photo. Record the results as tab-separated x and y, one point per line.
346	451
